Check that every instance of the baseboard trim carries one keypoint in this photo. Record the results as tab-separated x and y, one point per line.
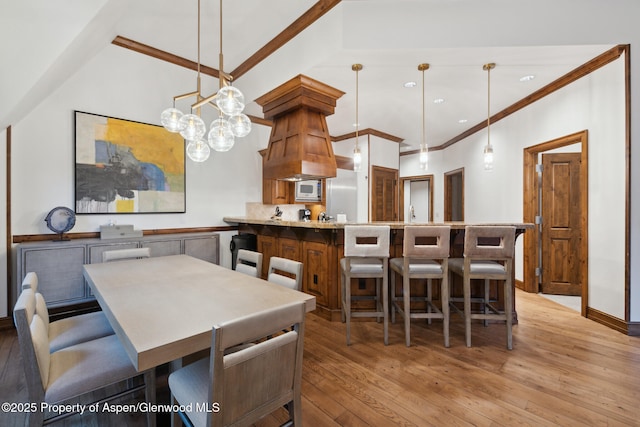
608	320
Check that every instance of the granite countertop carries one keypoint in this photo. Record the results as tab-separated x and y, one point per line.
283	223
336	225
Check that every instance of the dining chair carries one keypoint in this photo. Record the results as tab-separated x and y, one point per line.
70	330
488	255
123	254
366	255
243	386
249	262
55	377
293	272
425	255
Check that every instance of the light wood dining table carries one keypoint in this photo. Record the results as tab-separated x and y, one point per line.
164	308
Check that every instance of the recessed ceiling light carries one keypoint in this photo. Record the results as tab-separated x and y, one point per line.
438	101
462	121
527	78
410	84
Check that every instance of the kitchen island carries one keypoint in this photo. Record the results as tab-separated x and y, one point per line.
320	246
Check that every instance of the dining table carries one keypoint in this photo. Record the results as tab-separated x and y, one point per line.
164	308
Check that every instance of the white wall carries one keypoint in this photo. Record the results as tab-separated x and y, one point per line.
595	103
118	83
375	151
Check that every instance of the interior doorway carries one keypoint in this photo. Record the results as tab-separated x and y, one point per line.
560	210
384	194
454	195
416	192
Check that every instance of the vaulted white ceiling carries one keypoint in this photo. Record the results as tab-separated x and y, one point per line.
42	43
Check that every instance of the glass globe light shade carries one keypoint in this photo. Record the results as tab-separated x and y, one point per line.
357	159
194	127
230	100
198	150
220	136
424	157
170	119
240	125
488	157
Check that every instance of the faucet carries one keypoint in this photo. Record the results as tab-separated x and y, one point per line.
412	213
278	214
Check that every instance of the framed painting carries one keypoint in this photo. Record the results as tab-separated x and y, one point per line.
124	167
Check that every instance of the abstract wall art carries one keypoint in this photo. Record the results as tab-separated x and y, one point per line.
122	166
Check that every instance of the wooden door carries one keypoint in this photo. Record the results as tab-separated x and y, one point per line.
384	194
561	233
454	195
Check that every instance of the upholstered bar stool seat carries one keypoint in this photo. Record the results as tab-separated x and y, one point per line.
425	254
488	255
366	255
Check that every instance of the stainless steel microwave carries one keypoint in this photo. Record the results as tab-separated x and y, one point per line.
309	191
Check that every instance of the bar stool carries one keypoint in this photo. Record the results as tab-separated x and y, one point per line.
366	255
488	255
425	255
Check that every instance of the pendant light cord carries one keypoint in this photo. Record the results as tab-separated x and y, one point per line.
221	78
423	109
357	103
489	67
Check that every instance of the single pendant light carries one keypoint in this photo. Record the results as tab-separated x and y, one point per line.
424	149
488	149
357	155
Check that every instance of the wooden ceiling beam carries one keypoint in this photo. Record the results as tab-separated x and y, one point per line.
305	20
367	131
314	13
164	56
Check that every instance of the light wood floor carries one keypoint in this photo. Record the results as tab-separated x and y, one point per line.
563	370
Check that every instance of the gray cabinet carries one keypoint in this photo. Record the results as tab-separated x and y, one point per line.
59	264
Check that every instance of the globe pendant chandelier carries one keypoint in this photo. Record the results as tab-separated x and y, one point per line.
228	101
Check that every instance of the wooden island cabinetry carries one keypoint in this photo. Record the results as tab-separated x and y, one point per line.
315	248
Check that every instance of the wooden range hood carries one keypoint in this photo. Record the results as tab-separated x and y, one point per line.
300	144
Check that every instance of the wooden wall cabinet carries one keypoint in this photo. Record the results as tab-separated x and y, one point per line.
276	192
59	264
